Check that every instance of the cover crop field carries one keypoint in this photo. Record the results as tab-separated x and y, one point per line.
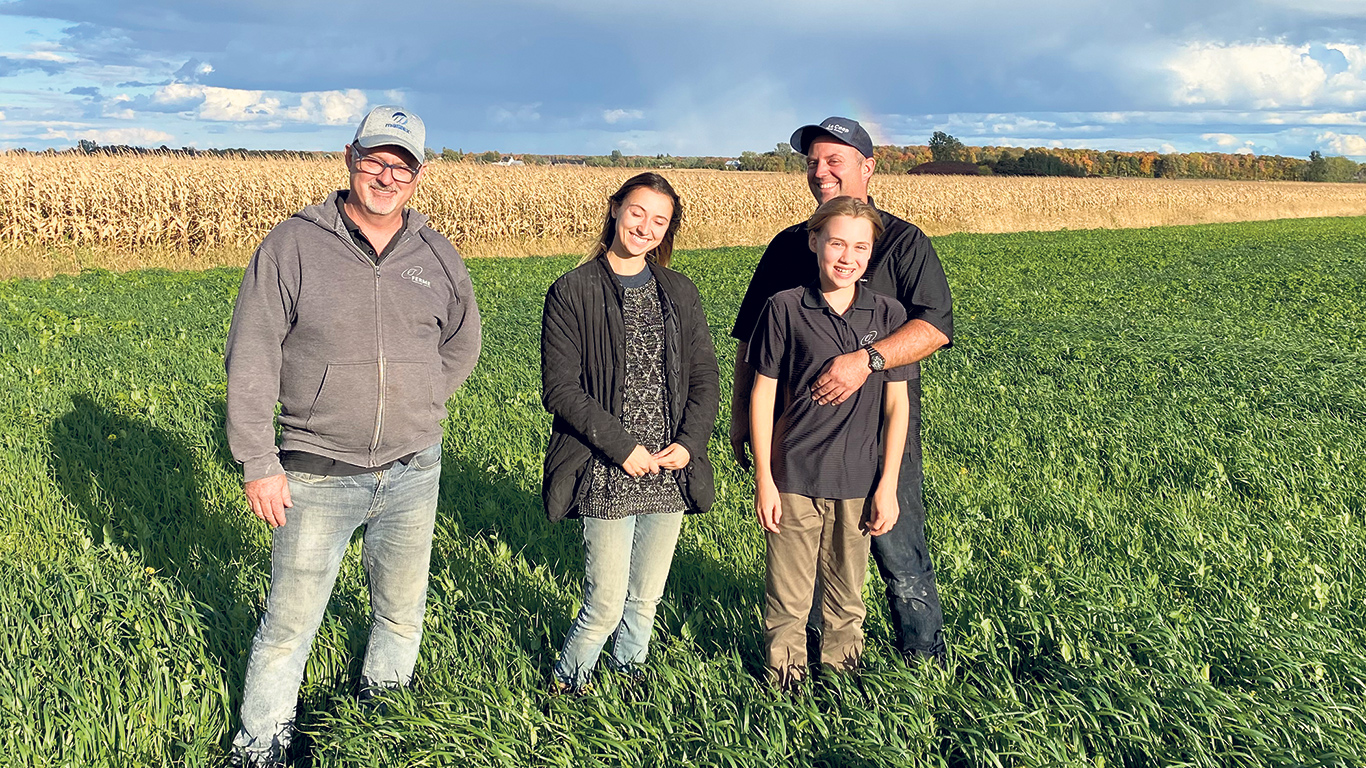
1146	481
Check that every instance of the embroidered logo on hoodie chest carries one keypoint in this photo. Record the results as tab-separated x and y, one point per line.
414	274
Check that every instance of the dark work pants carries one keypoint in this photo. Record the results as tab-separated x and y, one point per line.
903	558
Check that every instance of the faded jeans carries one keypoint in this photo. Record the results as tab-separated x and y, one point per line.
626	565
397	508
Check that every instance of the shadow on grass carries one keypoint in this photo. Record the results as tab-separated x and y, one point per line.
704	601
136	487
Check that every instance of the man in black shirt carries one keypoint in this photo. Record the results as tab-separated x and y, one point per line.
839	161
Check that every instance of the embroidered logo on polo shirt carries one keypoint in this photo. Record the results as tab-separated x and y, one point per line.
868	339
412	274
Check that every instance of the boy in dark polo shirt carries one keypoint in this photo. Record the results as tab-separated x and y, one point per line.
817	492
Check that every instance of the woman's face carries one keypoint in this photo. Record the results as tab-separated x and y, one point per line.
842	249
642	220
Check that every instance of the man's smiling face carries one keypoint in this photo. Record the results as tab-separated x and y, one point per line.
834	168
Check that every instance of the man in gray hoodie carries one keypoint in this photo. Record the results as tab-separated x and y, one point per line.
359	320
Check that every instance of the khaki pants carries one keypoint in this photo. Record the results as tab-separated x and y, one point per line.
815	533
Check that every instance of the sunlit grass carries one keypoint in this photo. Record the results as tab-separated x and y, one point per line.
1145	483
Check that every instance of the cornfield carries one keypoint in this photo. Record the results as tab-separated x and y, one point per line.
181	206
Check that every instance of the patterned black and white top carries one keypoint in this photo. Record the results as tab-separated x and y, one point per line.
613	494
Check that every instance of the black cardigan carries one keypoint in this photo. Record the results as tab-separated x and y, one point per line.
583	358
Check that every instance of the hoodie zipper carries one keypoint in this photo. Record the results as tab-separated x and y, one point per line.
340	231
379	345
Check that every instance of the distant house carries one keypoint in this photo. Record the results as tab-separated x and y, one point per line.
509	160
733	165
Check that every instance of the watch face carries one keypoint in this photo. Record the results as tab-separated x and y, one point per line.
875	359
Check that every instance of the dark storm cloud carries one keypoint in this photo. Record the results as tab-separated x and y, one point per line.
481	58
529	68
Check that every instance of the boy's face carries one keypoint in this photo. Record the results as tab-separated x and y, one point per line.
842	249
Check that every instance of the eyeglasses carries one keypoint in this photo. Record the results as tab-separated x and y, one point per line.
374	166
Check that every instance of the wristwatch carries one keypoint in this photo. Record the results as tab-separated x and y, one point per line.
876	361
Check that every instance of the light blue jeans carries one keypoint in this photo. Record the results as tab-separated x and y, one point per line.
626	564
397	507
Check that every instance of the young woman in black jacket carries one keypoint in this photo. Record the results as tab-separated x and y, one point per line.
629	373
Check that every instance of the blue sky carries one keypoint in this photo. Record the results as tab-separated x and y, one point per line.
707	77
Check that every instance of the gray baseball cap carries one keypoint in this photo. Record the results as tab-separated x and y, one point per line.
387	124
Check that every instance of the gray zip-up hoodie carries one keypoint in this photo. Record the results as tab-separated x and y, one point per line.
361	358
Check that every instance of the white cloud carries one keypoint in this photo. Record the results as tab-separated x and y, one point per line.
236	106
133	136
614	116
1343	144
40	55
1014	124
174	93
328	108
875	129
1268	75
1336	118
140	136
242	106
1222	139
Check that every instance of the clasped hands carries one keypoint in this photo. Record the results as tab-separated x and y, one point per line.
642	462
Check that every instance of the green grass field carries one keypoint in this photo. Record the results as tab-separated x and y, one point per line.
1146	481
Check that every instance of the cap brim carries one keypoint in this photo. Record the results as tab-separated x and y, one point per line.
371	142
802	138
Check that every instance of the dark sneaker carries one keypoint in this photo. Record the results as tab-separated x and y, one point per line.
634	673
274	757
559	687
915	659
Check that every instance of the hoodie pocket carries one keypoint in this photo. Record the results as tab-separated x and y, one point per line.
410	408
343	414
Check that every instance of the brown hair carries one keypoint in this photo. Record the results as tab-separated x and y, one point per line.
845	206
664	251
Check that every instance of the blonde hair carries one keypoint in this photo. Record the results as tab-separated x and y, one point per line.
845	206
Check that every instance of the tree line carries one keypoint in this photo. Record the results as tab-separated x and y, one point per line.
1057	161
942	148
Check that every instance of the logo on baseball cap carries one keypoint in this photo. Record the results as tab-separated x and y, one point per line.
390	125
841	129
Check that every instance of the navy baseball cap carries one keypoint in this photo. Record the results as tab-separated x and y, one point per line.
841	129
